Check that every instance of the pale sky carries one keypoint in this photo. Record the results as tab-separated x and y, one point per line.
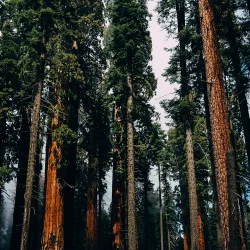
164	89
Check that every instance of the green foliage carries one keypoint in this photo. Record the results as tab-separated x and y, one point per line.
129	45
64	136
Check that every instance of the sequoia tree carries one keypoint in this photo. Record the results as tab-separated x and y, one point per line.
218	116
130	47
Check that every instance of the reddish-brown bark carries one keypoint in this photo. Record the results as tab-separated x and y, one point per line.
218	113
91	234
53	223
118	188
201	231
53	228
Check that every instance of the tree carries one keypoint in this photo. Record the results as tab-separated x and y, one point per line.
218	116
184	115
131	47
118	184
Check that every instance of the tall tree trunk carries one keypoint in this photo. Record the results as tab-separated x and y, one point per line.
218	113
24	142
184	212
210	145
235	241
241	80
194	228
118	187
31	167
132	233
69	189
53	222
91	234
160	202
33	230
201	231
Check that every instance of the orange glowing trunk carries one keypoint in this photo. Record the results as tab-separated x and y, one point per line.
53	231
53	223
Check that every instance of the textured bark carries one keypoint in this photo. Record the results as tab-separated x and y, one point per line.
235	241
53	230
160	202
218	112
31	168
210	145
193	206
24	142
194	229
118	188
201	231
53	223
91	234
132	234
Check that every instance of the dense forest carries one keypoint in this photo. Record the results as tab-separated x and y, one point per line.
76	120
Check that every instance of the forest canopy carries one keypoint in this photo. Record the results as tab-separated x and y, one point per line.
80	139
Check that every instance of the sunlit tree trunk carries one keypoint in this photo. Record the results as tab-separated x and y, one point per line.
118	187
210	145
53	223
218	114
194	228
